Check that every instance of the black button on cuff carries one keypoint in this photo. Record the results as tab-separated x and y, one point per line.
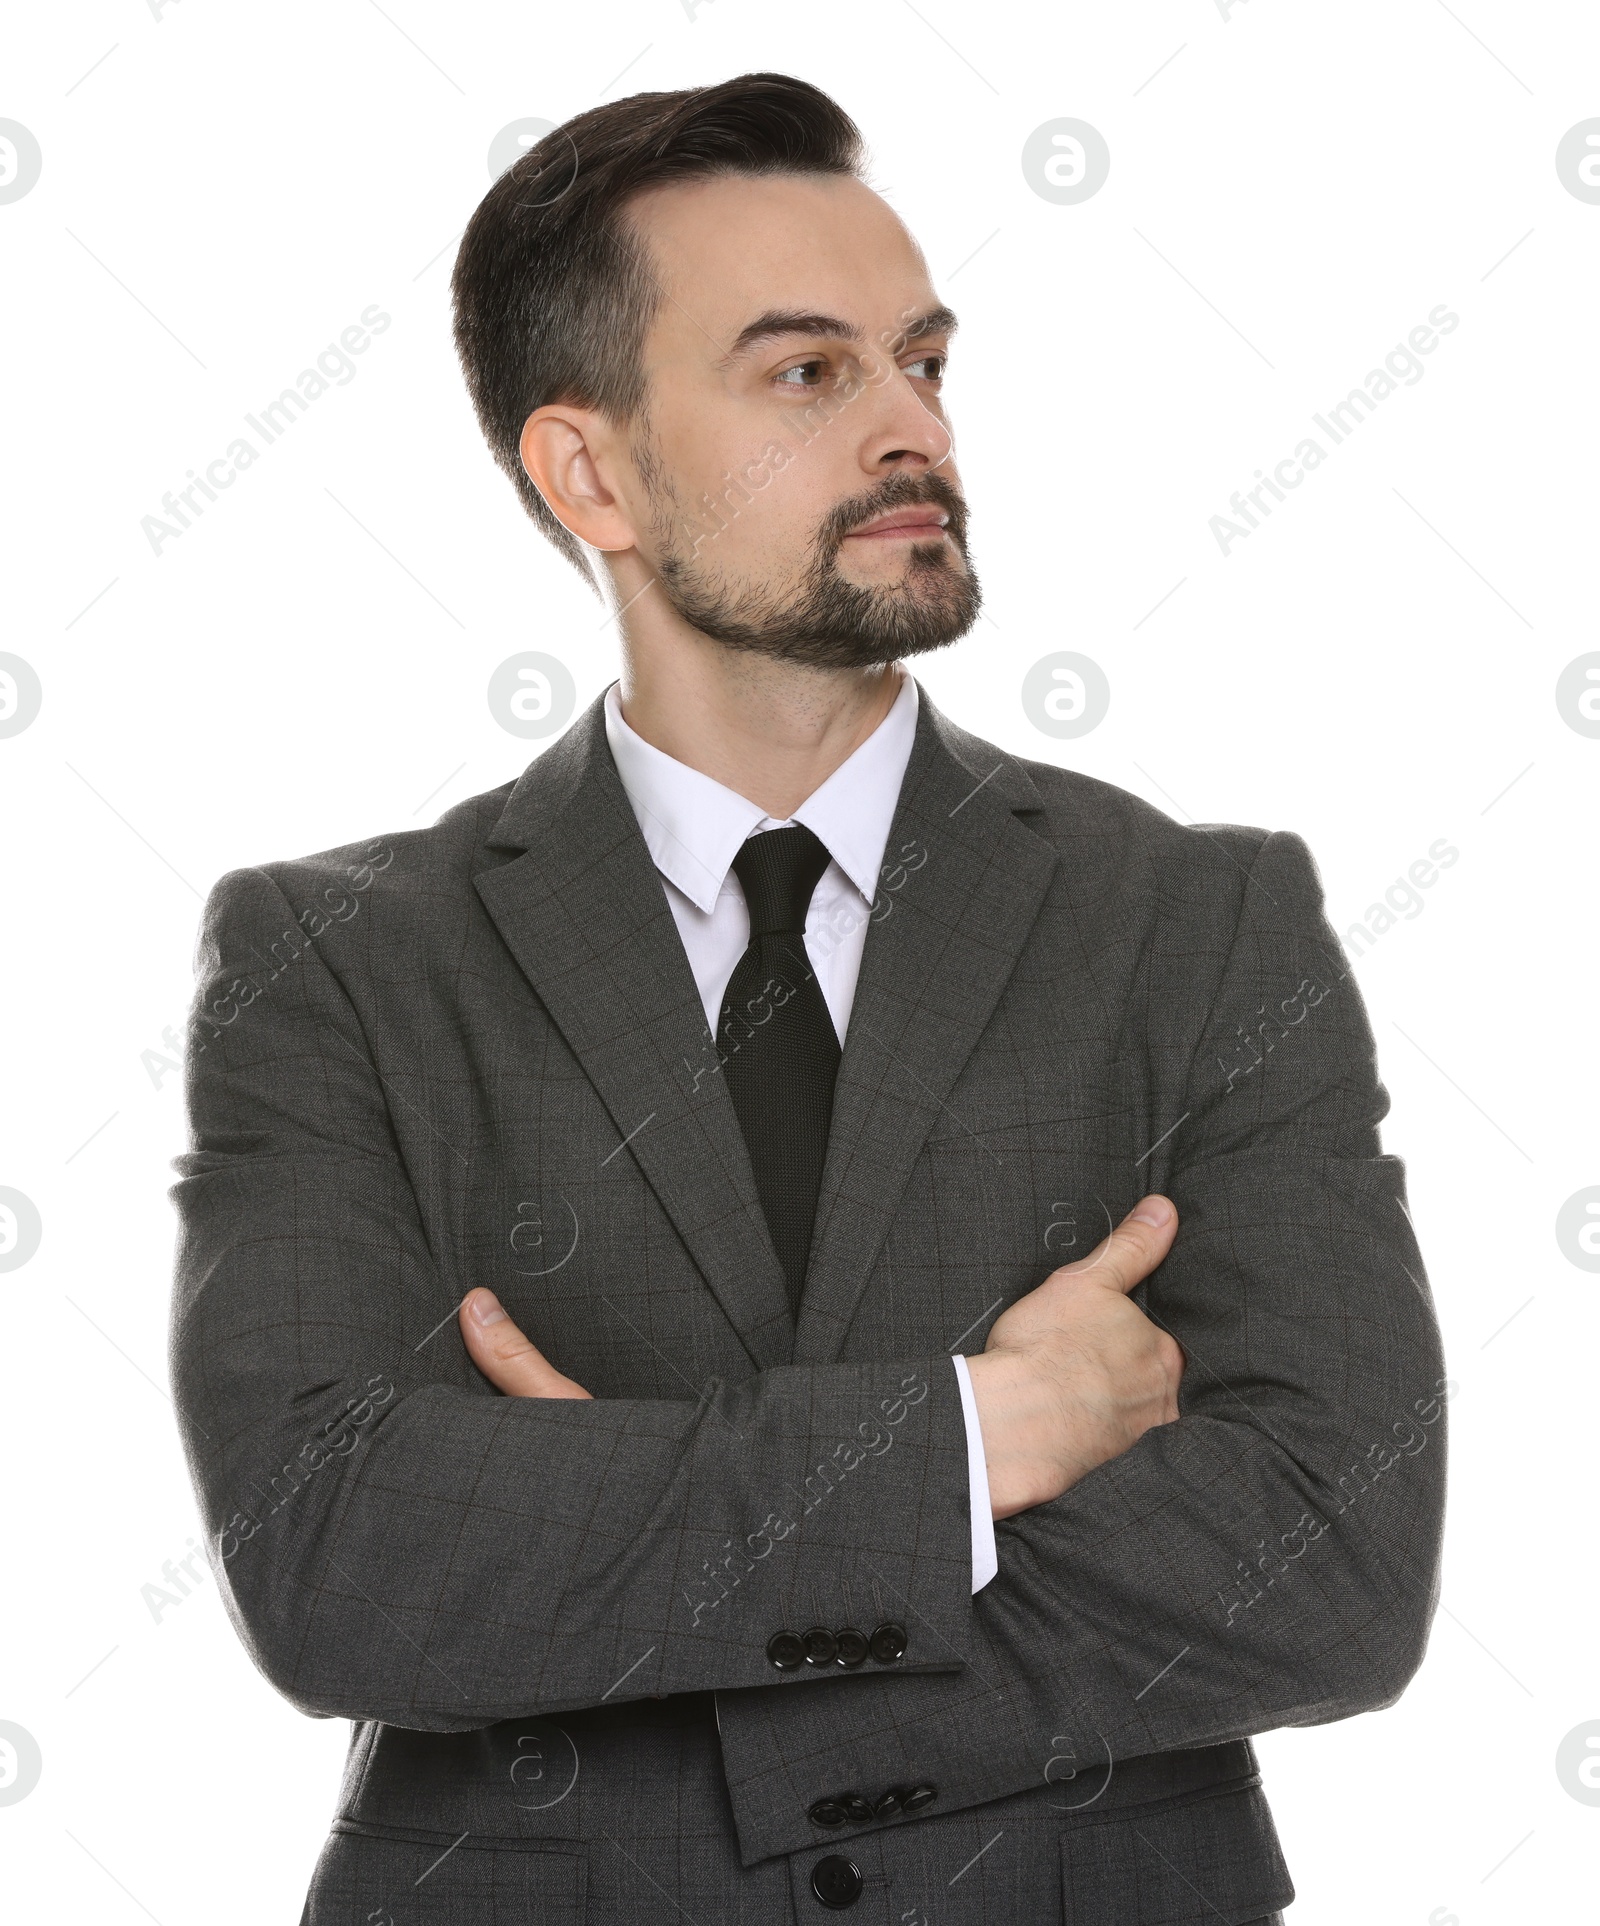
836	1882
821	1647
786	1650
858	1811
853	1646
889	1643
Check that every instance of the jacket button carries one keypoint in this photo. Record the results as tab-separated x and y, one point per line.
786	1650
836	1881
889	1643
820	1644
918	1797
856	1809
826	1812
887	1804
853	1646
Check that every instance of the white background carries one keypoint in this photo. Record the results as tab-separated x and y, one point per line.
1293	191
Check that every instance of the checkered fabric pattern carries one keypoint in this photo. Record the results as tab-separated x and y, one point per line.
475	1055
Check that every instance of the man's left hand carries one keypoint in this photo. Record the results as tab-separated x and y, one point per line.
511	1362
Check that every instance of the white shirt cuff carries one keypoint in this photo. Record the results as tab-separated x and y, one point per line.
985	1558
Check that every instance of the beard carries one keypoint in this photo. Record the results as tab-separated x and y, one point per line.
825	621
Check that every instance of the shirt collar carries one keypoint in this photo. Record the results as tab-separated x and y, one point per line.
694	826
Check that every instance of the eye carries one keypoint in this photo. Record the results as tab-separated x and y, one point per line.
931	366
813	369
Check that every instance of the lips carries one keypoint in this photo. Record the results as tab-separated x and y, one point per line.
904	523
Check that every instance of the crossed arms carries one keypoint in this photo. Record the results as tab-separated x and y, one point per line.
1272	1519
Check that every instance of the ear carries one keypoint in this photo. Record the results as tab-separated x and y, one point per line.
565	451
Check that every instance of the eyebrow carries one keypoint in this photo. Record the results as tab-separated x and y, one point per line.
777	323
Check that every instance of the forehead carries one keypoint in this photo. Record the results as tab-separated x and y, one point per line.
729	249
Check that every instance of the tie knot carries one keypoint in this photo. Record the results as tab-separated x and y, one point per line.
778	870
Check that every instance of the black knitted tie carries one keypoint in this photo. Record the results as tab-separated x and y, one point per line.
777	1043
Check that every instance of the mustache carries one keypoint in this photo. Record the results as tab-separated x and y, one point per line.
897	491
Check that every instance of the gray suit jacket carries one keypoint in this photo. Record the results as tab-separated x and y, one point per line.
475	1055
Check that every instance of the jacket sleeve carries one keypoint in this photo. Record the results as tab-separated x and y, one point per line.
393	1538
1272	1557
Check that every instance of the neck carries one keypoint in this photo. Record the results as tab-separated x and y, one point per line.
770	731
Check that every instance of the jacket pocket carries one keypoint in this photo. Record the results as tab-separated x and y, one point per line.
1214	1858
364	1879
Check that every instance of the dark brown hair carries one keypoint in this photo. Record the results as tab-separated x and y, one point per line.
553	291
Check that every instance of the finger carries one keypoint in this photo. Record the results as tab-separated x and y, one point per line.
1134	1248
506	1358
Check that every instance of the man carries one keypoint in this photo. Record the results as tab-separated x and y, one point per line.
792	1313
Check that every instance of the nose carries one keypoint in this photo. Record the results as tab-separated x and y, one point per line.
902	431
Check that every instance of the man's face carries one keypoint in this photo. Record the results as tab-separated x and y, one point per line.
799	492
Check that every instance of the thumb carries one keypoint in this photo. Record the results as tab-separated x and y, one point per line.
506	1358
1134	1248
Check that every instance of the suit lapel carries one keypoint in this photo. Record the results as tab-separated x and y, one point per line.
945	938
583	912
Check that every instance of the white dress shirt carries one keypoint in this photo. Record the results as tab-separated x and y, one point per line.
694	827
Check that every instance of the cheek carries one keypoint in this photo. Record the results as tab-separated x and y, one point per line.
765	524
748	487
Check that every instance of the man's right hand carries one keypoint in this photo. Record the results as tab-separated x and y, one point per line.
1075	1372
